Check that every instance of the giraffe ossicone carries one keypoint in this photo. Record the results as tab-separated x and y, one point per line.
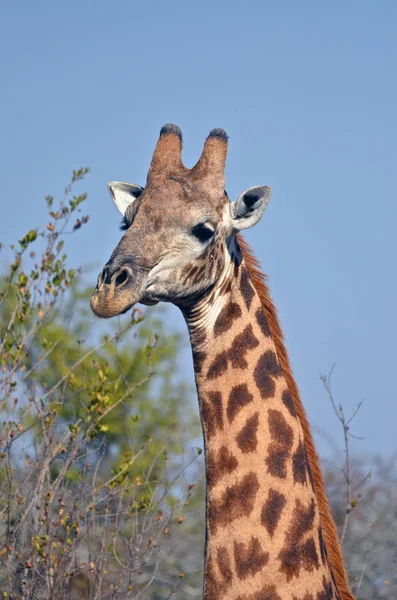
270	535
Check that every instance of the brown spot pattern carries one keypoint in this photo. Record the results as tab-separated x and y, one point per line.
198	336
238	398
220	464
280	447
224	565
262	322
237	501
188	272
323	549
212	412
186	269
310	475
198	359
226	288
247	290
279	429
246	439
210	580
216	585
297	554
267	368
288	402
299	464
327	591
243	342
219	265
276	461
200	271
218	366
226	318
303	520
294	558
328	526
272	509
249	559
266	593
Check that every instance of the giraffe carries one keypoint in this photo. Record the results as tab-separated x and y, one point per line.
269	531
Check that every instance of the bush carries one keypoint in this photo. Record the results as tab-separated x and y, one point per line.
91	491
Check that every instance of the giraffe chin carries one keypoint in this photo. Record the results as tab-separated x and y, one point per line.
147	302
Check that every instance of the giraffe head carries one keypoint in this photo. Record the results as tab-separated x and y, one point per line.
178	229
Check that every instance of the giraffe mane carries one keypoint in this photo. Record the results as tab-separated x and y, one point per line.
327	523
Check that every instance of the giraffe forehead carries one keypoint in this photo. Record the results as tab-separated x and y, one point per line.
154	216
182	198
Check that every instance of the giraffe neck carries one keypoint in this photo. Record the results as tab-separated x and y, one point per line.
264	537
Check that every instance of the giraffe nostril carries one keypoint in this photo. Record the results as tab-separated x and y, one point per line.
105	276
121	278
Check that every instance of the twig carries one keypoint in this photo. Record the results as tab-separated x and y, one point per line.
340	415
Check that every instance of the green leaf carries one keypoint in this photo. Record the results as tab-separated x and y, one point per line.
28	238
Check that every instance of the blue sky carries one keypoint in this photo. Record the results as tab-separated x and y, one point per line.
307	92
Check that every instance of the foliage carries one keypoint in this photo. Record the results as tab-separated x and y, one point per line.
364	506
94	473
370	545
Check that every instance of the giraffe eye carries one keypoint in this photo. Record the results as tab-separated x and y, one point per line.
202	232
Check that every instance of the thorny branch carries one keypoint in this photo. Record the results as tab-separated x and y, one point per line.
351	502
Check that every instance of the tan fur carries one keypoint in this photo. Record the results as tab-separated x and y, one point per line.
245	441
327	522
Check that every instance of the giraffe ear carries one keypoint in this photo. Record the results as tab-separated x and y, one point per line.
123	194
249	207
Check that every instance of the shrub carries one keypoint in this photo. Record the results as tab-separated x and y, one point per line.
94	476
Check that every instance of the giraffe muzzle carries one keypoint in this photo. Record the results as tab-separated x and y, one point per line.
116	292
